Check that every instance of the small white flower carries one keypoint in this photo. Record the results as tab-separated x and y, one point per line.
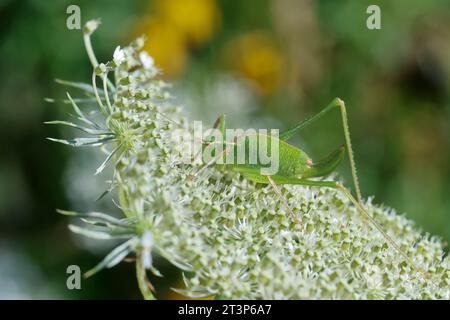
91	26
119	56
146	60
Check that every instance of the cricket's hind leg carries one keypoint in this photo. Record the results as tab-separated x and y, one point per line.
360	208
336	103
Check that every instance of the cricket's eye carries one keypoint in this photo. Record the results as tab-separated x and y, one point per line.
309	163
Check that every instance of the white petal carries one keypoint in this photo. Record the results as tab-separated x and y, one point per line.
146	60
119	55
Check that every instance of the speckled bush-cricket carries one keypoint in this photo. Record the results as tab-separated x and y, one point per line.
295	166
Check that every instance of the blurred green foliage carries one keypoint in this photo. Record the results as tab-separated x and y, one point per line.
291	58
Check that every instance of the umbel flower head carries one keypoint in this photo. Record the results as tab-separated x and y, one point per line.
232	237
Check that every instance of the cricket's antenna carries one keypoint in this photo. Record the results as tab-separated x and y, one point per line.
380	229
348	142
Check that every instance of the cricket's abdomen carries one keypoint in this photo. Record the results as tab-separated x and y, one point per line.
286	161
294	162
268	155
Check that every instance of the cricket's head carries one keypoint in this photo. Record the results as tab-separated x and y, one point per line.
325	166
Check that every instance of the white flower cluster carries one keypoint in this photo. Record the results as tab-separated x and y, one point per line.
232	236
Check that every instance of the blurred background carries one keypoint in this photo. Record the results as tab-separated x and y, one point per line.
267	63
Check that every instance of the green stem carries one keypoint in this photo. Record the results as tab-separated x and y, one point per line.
97	96
141	276
92	57
89	50
105	89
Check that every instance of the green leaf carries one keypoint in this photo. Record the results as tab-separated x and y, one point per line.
67	101
79	85
80	114
74	125
176	261
99	217
114	257
97	234
84	142
111	154
103	194
193	294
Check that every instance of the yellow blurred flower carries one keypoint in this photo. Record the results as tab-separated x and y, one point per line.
165	44
196	19
176	25
256	56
